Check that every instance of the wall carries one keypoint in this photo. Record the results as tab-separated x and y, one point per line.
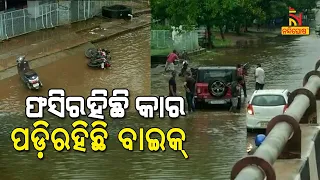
311	168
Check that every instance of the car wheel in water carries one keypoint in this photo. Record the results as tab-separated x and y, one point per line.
117	12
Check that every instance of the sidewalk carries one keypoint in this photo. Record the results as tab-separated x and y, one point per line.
67	37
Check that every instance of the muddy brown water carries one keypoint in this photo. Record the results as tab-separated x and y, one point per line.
223	136
216	139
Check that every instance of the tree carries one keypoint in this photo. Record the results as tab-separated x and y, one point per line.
197	12
222	13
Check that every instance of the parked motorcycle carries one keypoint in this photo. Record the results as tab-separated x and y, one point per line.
28	76
98	58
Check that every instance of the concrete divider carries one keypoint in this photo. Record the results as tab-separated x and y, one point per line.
310	169
291	148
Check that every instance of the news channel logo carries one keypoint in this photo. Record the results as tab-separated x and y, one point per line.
295	25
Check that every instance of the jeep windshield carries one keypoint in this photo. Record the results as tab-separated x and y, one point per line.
205	76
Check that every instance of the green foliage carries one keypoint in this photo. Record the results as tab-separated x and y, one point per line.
222	12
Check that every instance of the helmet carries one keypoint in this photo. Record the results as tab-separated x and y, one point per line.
20	59
259	139
185	63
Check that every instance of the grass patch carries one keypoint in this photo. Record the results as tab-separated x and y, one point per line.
219	43
166	51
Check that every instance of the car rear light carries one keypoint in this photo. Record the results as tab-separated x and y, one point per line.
250	109
285	108
198	90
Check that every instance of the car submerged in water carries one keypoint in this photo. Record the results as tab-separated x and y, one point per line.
28	76
213	85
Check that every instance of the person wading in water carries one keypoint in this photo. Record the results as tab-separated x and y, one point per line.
173	85
171	58
241	73
260	77
236	92
189	85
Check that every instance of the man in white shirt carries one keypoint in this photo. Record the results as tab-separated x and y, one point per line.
260	76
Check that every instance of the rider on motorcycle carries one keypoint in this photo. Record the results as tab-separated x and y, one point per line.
184	68
103	56
103	53
20	59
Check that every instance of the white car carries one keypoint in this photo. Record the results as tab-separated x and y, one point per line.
264	105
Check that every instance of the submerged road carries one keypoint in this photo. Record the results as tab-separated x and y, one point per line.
216	139
219	137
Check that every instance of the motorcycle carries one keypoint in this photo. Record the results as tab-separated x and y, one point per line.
184	68
99	63
28	76
98	59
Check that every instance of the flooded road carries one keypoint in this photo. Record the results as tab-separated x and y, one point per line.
222	136
216	139
130	69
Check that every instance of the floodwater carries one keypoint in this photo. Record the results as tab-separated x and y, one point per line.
219	137
130	69
216	139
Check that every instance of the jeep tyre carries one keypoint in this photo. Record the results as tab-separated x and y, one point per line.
217	88
116	12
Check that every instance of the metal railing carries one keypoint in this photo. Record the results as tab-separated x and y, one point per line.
162	39
48	15
283	132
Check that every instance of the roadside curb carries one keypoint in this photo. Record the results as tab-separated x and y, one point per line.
135	14
119	33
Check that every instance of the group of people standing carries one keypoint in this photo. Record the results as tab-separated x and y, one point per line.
189	83
240	83
189	86
236	86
